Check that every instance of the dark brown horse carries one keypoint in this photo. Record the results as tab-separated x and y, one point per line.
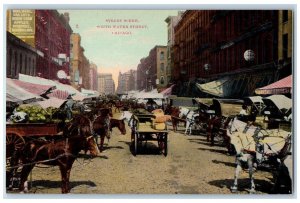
101	125
60	153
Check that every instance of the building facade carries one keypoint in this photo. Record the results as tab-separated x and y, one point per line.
80	66
106	84
93	77
171	23
239	44
48	32
20	57
151	72
285	42
126	82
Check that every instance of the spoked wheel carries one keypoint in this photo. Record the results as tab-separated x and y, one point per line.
14	143
163	144
135	143
166	144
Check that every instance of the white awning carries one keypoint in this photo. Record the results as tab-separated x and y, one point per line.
215	88
52	102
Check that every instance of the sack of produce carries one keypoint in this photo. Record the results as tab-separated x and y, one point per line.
159	126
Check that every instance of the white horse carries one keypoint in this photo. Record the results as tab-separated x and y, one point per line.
254	146
190	118
127	115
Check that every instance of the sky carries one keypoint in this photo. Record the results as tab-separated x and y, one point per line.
116	40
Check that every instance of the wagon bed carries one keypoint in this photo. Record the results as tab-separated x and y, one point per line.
143	130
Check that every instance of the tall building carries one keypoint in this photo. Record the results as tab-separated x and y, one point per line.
93	77
285	42
126	81
80	67
171	23
49	33
239	46
106	84
151	72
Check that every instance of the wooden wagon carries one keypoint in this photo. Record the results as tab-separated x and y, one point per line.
17	134
144	129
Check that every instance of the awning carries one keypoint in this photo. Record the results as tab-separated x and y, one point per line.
32	88
215	88
52	102
168	91
282	86
282	102
14	93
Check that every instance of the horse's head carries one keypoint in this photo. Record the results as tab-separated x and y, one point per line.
92	146
121	126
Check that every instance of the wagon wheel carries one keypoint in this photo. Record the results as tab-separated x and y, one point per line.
135	143
166	144
14	143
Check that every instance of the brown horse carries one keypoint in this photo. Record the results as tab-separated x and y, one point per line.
101	125
60	153
120	124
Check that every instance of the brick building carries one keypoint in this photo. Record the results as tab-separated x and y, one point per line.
80	67
151	72
20	57
49	32
212	44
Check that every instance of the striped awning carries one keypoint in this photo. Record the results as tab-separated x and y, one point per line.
168	91
283	86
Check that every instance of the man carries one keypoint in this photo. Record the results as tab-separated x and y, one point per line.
68	106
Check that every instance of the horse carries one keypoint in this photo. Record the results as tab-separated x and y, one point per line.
119	123
101	125
174	112
190	118
127	115
60	153
255	146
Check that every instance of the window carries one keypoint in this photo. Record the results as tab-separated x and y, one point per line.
162	67
9	62
16	65
162	55
21	63
285	16
285	46
162	80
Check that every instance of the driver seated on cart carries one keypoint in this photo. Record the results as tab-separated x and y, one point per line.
245	116
151	105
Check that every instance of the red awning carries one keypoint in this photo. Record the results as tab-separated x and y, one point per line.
32	88
167	91
59	94
282	86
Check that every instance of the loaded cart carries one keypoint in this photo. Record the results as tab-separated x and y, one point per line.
145	129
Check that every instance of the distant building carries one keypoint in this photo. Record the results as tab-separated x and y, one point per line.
126	81
80	67
151	72
93	77
106	84
20	57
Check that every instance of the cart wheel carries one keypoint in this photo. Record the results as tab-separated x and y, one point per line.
135	144
166	144
14	143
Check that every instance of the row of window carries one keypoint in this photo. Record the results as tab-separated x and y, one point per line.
19	63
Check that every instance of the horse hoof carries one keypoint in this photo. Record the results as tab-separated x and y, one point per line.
252	191
233	189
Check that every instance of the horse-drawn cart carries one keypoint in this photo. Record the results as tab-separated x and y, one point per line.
145	129
17	134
